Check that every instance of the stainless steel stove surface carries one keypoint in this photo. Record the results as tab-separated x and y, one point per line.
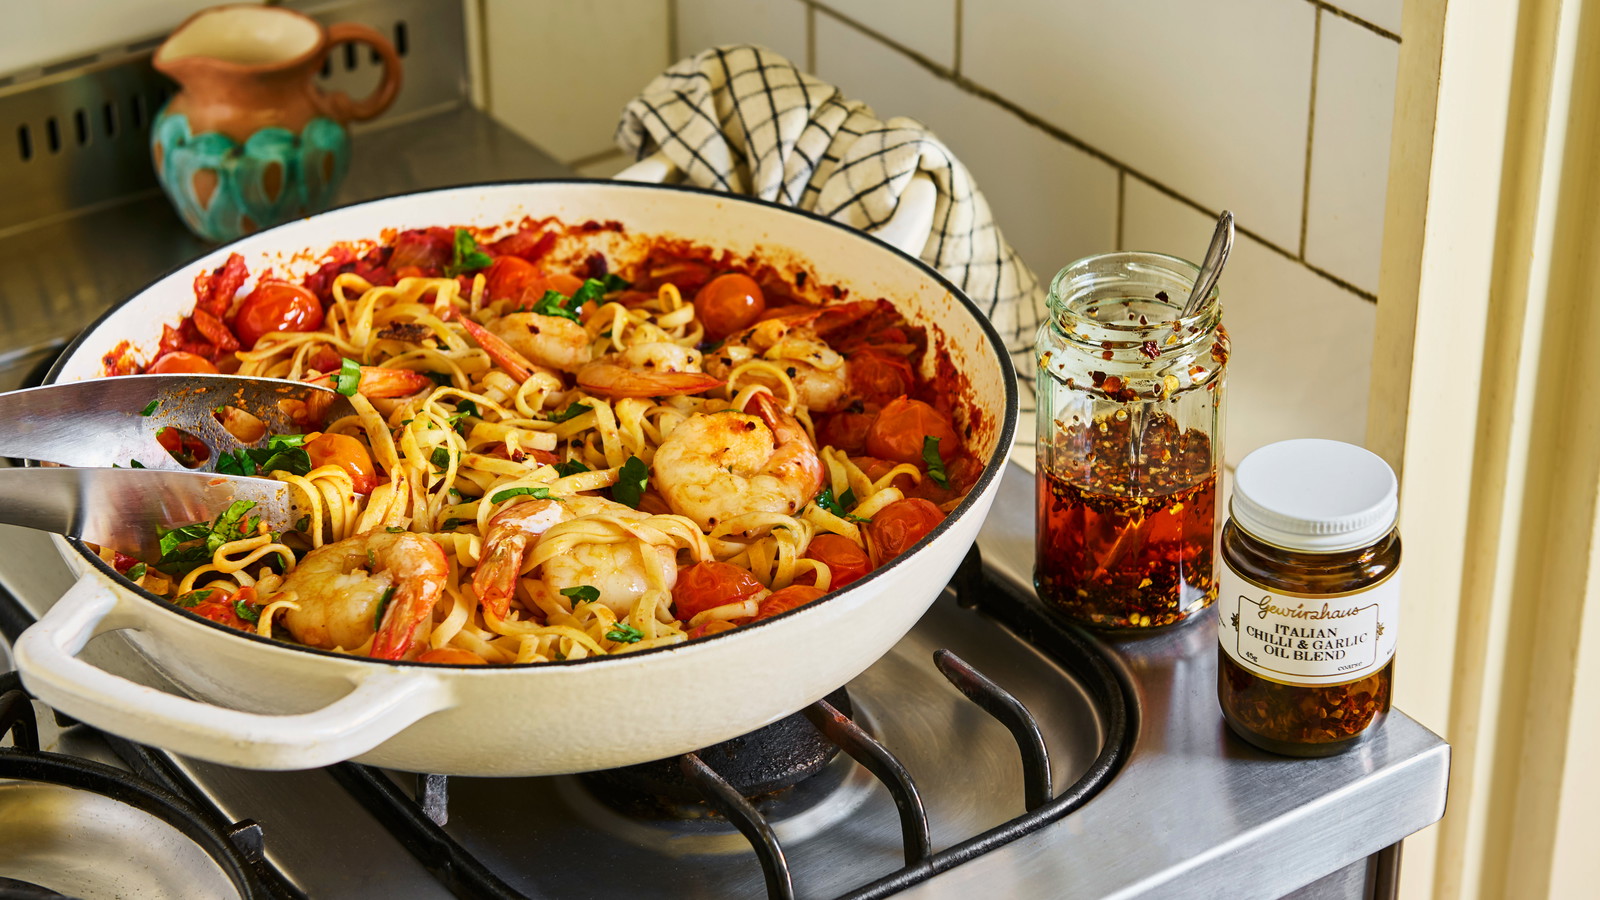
1151	795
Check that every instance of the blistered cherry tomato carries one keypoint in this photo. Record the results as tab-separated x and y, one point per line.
901	427
347	453
729	303
181	362
511	278
795	595
899	525
843	558
707	585
879	377
276	306
845	431
453	656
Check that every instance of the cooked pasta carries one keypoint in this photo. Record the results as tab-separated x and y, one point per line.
544	467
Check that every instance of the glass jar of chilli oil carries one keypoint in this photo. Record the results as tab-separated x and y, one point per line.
1309	606
1129	441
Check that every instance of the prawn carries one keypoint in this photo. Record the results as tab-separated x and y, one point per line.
820	374
648	369
377	585
715	466
619	567
381	382
505	543
549	341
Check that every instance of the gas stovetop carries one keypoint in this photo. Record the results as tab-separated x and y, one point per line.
1124	782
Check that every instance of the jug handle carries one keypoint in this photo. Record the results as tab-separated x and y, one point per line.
345	109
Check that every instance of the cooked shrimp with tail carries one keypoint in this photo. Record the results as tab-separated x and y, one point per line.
376	586
716	466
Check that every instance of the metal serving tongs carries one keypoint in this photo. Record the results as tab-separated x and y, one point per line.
103	427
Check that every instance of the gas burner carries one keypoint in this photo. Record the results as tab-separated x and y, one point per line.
76	828
764	767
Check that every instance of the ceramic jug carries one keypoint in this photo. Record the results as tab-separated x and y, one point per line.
250	140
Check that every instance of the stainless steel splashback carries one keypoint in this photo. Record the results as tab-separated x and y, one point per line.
74	135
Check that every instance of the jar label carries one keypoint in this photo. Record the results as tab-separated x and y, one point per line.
1307	639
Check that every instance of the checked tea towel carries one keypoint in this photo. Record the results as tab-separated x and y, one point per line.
745	120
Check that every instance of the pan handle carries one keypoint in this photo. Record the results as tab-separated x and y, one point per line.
908	229
382	704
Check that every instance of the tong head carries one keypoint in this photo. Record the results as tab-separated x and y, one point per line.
115	421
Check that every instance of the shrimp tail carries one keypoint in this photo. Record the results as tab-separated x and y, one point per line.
495	578
503	354
613	381
381	382
398	630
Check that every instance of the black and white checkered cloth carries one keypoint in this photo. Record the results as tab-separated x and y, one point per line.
746	120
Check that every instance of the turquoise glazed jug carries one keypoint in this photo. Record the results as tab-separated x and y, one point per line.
249	140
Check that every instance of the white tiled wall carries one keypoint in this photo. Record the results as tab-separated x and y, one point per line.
1091	127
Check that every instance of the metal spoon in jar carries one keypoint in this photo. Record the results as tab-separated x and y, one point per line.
1211	266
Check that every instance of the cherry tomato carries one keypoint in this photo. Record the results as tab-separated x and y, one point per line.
276	306
878	377
899	525
795	595
188	450
221	607
707	585
429	249
564	283
845	431
347	453
180	362
453	656
843	558
511	278
729	303
901	427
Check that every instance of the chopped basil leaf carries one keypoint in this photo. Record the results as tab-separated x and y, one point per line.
135	464
395	529
245	611
571	412
848	499
465	255
150	410
825	500
537	493
283	452
443	379
624	634
570	467
440	457
592	290
930	455
302	523
615	282
383	604
193	598
136	571
451	524
349	378
856	519
555	303
632	479
372	559
583	593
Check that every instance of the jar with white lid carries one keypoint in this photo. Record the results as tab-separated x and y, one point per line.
1309	597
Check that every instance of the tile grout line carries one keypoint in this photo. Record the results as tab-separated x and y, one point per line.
1122	206
1311	131
983	93
955	64
672	31
1378	30
811	38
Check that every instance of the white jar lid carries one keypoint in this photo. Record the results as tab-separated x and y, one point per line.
1315	496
